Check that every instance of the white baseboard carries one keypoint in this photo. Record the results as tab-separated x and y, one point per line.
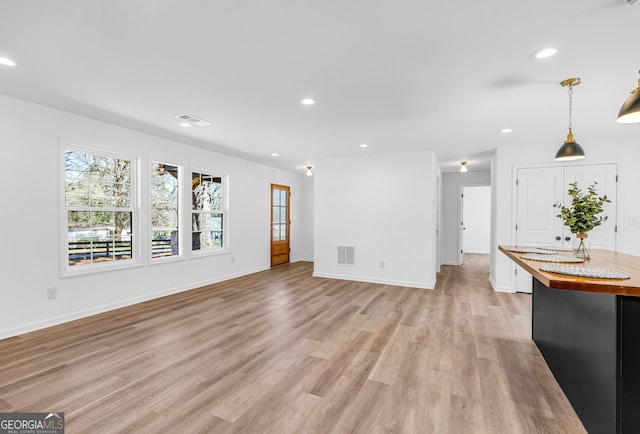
451	263
49	322
500	288
421	285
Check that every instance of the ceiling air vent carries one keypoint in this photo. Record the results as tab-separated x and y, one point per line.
194	120
346	255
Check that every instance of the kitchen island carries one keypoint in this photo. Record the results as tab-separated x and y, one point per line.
588	331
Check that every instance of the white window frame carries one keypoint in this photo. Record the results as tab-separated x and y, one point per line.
181	195
67	270
225	215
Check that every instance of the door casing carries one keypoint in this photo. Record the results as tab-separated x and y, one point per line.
280	248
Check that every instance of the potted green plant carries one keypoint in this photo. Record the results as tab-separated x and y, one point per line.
583	214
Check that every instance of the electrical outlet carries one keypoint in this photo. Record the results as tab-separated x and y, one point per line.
52	293
633	221
382	264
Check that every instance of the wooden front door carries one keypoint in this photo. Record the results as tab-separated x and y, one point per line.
280	198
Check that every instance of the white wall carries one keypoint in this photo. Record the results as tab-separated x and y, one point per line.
624	152
452	183
385	206
30	219
302	220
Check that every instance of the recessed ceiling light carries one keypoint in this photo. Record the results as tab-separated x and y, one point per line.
275	154
364	145
7	62
185	124
506	130
307	101
544	53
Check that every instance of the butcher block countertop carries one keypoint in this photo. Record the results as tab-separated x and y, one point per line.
599	259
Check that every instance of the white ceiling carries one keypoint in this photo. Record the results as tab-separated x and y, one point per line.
403	75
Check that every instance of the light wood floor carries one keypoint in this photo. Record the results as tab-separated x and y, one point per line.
282	352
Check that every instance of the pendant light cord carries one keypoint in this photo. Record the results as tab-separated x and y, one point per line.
570	107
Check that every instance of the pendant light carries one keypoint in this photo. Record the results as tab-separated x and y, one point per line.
570	150
630	110
463	166
309	171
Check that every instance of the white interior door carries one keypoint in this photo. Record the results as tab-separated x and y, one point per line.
476	219
603	236
536	219
536	223
537	190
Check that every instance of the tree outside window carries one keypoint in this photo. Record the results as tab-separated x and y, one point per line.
164	210
99	207
207	216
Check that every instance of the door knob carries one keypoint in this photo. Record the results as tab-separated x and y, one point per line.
558	238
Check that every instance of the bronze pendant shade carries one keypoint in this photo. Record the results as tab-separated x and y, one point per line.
570	150
630	110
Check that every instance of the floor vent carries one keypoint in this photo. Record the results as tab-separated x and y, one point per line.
346	255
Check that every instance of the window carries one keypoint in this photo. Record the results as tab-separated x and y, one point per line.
207	215
164	210
99	207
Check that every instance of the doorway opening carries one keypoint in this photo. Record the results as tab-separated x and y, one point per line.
475	225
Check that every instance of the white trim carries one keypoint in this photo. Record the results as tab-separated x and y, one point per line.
102	267
195	254
513	279
302	259
421	285
37	325
451	263
500	288
168	259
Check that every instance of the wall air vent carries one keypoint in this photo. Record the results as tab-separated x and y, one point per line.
346	255
194	120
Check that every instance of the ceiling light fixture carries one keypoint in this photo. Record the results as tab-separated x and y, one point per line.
186	118
544	53
7	62
275	154
630	110
307	101
463	166
309	171
364	145
506	130
184	124
570	150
